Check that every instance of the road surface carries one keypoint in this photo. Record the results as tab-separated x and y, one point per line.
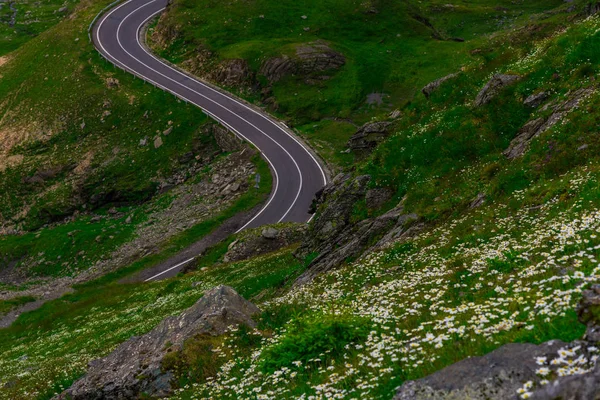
297	174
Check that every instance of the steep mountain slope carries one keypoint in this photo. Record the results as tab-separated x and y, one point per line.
473	223
98	170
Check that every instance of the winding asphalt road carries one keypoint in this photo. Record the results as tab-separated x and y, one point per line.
297	174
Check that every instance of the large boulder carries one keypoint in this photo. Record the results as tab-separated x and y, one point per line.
309	58
255	242
369	135
433	86
134	369
493	87
497	375
539	125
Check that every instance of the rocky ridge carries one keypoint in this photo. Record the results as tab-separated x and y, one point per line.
135	368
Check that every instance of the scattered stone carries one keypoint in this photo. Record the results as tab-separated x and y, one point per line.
158	142
536	99
497	375
128	219
270	233
82	125
395	114
63	10
144	141
368	136
168	131
112	83
493	87
582	147
134	369
478	201
112	211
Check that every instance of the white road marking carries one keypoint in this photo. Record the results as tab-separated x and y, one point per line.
170	269
274	123
206	97
125	67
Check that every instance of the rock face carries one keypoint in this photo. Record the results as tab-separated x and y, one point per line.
235	72
335	238
227	141
588	311
433	86
264	240
496	375
536	99
369	135
134	368
309	58
493	87
537	126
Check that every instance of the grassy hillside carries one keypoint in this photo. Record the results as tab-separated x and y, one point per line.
87	157
20	21
392	49
509	267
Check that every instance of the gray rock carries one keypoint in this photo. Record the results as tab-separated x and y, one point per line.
309	58
270	233
478	201
493	87
168	131
433	86
496	375
234	72
144	141
333	235
537	126
158	142
536	99
226	140
576	387
134	368
369	135
588	311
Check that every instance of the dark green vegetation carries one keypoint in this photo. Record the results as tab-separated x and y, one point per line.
7	305
21	21
392	49
508	270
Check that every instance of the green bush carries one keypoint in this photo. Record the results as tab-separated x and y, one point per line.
307	341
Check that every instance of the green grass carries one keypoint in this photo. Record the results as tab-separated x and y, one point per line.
391	51
8	305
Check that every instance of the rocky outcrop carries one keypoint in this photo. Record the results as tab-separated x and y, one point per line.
377	197
227	141
368	136
576	387
235	72
539	125
497	375
433	86
309	58
588	311
134	369
260	241
335	237
536	99
493	87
